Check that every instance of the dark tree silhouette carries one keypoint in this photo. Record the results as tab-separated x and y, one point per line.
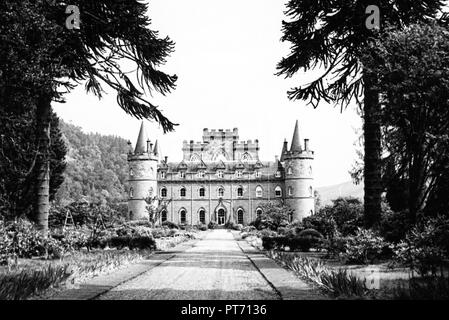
41	54
332	36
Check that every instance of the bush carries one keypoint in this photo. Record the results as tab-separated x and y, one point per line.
323	223
365	247
426	247
233	226
20	239
212	225
394	225
304	242
170	225
347	214
137	242
202	227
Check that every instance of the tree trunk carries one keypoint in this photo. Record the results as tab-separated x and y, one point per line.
372	158
41	211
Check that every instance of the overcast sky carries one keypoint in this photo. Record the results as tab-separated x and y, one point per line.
225	58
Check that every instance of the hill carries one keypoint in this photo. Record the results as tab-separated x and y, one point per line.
346	189
96	167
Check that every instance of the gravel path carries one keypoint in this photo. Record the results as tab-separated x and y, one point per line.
214	268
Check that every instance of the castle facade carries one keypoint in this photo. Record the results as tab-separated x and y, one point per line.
220	179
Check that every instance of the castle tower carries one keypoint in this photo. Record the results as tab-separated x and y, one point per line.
299	186
142	175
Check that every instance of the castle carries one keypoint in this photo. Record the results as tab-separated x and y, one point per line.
220	179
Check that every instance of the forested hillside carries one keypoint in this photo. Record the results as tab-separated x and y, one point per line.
96	167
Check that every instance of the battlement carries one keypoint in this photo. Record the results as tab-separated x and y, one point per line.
220	134
246	145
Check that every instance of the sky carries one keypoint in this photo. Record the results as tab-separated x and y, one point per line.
225	57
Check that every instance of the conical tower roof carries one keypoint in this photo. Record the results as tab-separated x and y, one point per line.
141	144
284	150
156	149
296	144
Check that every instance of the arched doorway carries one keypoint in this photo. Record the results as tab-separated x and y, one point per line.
221	216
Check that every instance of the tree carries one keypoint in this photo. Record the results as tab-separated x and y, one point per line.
17	158
53	59
332	36
273	216
411	65
155	206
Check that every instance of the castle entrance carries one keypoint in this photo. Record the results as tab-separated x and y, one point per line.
221	217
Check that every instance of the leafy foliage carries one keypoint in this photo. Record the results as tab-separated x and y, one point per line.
274	215
426	247
18	158
96	167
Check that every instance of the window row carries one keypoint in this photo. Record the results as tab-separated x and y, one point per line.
219	174
202	215
221	192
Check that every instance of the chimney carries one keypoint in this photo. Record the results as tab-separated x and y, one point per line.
166	159
306	144
149	146
130	148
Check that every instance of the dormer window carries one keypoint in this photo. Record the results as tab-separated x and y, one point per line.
220	174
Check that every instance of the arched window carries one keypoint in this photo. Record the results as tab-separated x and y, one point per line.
289	171
182	192
131	193
202	192
164	215
258	174
290	191
240	191
183	215
310	191
258	212
162	174
131	172
278	192
221	192
240	216
202	216
259	192
164	192
182	174
278	174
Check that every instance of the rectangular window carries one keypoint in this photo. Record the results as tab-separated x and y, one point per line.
201	174
182	174
238	174
220	174
162	174
258	174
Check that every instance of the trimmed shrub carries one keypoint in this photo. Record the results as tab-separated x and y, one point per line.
212	225
170	225
202	227
233	226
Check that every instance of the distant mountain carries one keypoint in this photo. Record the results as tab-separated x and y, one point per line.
346	189
96	167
